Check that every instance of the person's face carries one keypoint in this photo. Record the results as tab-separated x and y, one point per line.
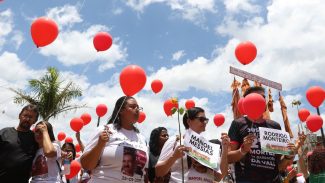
199	123
68	149
127	164
130	111
163	137
26	119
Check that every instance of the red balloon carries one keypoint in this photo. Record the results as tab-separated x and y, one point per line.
75	167
86	118
132	79
156	85
77	146
68	140
189	104
169	105
142	117
254	106
245	52
61	136
315	95
101	110
218	120
240	106
102	41
44	31
76	124
314	123
303	114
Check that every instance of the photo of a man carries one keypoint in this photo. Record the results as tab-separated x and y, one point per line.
128	164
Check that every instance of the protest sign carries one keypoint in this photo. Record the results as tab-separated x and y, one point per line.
275	141
203	151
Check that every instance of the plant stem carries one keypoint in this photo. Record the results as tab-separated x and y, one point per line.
180	143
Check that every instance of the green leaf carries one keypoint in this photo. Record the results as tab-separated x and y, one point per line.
181	110
174	109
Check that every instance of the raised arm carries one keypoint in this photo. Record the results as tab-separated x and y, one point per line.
164	166
90	159
82	147
225	141
48	148
236	153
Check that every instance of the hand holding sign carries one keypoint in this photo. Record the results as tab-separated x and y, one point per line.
179	151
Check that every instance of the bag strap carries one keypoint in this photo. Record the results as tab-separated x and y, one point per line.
57	163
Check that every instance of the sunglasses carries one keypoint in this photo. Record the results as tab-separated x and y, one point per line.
202	119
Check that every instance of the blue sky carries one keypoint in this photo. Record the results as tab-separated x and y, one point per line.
188	44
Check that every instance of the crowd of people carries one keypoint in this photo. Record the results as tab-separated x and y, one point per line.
118	152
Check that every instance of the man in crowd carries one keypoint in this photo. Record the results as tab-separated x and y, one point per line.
18	147
251	164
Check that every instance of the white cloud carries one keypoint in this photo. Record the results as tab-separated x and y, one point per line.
236	6
117	11
66	15
6	24
18	73
192	10
74	47
287	41
178	55
17	39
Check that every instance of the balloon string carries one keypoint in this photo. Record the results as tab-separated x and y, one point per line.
29	54
119	110
81	6
85	69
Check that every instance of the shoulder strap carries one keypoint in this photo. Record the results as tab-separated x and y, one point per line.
57	163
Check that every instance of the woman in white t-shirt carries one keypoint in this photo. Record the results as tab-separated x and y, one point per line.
171	154
118	152
45	167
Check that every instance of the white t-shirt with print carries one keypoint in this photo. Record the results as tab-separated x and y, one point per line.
176	169
46	169
123	146
193	176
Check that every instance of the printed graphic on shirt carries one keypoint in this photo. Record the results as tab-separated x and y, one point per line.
40	168
133	163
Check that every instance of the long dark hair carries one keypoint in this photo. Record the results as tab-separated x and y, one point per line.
191	114
316	161
49	130
154	140
120	104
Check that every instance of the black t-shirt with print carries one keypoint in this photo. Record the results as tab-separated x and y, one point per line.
256	166
17	151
